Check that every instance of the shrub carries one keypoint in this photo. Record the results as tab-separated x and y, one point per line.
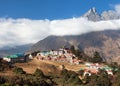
39	73
18	70
2	80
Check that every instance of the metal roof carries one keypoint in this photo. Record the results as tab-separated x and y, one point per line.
18	55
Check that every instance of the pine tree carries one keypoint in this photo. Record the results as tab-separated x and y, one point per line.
97	58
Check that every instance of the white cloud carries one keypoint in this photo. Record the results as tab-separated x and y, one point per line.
117	8
22	31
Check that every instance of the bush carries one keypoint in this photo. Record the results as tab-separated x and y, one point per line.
39	73
70	77
18	70
2	80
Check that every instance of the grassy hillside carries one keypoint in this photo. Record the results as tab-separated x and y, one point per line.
47	66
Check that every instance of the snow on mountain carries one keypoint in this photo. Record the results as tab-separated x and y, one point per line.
92	15
109	15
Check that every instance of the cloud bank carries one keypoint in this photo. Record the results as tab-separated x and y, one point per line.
117	8
23	31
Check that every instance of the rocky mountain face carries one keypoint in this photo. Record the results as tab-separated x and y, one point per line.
109	15
92	15
106	42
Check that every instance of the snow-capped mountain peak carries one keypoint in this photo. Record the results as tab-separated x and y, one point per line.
92	10
92	15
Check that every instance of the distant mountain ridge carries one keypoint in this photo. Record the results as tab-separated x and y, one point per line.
92	15
18	49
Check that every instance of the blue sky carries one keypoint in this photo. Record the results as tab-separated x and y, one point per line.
29	21
51	9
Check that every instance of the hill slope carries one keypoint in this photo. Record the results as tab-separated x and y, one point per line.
106	42
47	66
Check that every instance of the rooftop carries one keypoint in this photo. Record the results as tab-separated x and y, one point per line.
18	55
